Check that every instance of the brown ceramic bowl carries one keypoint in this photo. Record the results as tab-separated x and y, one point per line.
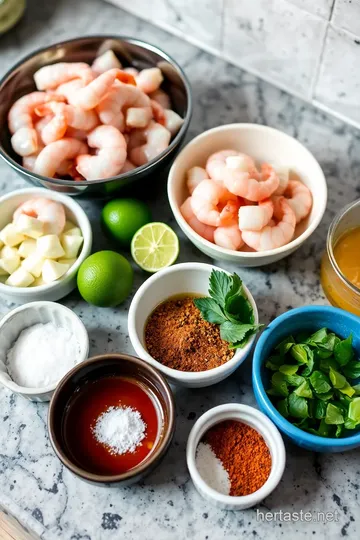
96	368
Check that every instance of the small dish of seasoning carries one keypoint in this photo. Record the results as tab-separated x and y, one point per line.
111	419
235	456
194	322
39	343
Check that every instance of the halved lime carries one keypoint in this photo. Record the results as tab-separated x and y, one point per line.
155	246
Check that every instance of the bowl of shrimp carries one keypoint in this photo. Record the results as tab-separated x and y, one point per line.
247	193
93	114
54	211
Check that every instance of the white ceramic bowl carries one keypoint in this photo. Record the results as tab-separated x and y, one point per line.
264	144
60	288
183	278
264	426
34	313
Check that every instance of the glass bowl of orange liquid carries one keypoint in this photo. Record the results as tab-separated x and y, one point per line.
340	266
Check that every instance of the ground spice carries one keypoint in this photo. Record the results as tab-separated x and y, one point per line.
177	336
243	453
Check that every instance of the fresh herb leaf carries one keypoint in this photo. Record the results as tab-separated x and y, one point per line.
304	390
210	310
324	429
350	424
273	392
347	390
327	363
298	407
288	369
320	409
352	369
354	410
310	363
294	380
343	351
285	345
318	336
279	383
339	430
233	333
333	415
274	362
320	382
282	407
326	396
299	353
219	286
356	387
337	380
240	309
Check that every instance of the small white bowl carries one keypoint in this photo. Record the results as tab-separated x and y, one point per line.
192	278
63	286
264	426
264	144
34	313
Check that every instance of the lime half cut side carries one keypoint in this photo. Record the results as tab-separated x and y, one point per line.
155	246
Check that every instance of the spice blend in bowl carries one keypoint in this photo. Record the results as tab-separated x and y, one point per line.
242	453
177	336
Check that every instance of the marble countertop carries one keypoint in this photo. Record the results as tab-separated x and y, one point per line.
34	486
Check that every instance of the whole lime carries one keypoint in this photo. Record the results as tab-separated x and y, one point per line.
123	217
105	279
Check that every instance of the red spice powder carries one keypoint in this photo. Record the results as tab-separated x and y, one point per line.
243	453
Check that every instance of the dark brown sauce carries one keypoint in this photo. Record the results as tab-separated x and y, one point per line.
87	404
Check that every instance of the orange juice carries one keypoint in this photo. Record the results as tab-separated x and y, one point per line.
340	268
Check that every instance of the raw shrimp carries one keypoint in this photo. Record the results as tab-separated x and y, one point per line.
25	141
229	237
205	200
21	113
49	77
249	183
64	116
149	80
255	218
51	157
91	95
299	198
206	231
111	154
194	176
157	140
50	212
173	121
104	62
216	164
161	98
124	96
273	236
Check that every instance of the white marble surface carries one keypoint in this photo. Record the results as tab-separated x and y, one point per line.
33	484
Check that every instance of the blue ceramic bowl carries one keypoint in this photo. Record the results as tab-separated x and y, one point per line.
310	318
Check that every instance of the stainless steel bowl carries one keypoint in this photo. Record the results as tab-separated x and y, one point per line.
131	52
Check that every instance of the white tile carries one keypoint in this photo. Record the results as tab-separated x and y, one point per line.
276	40
322	8
197	20
338	86
346	15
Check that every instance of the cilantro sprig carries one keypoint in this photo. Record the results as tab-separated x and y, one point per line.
229	307
315	383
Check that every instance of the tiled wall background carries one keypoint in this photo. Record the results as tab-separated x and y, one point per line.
310	48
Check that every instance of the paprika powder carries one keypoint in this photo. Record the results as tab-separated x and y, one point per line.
243	453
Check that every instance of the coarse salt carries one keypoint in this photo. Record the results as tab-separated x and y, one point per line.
211	469
121	429
41	355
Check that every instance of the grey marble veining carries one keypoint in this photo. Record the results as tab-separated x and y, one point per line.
33	484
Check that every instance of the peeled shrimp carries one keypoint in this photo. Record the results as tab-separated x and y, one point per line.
255	218
123	96
206	231
21	113
104	62
128	166
248	183
149	80
216	164
24	141
70	89
161	98
91	95
283	174
173	121
51	157
157	140
64	116
299	198
111	156
229	237
49	77
194	176
158	112
273	236
205	200
50	212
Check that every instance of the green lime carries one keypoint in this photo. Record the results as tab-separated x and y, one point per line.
155	246
105	279
123	217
